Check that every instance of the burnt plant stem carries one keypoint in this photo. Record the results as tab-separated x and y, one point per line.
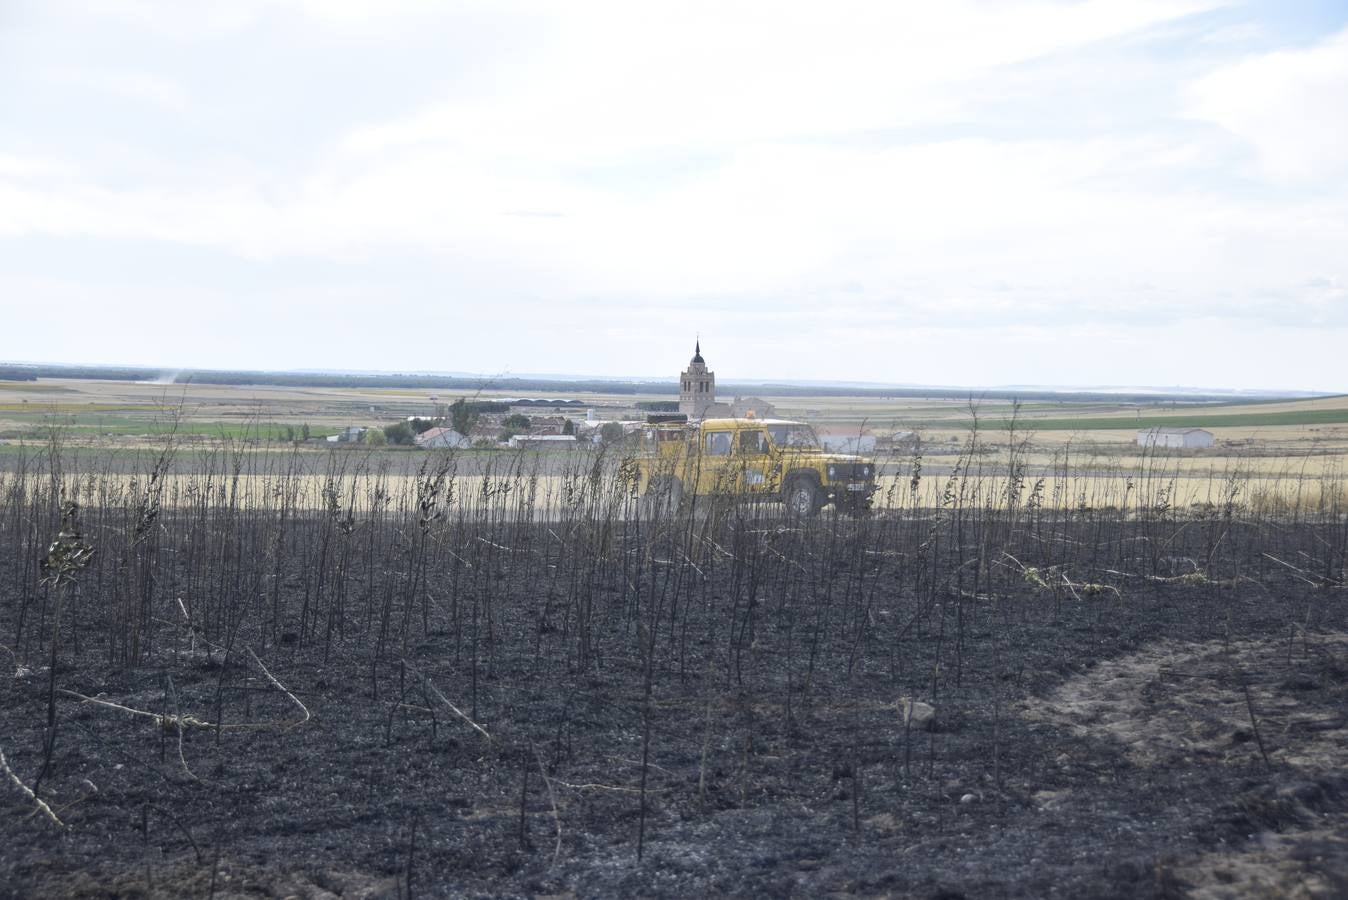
1254	723
524	800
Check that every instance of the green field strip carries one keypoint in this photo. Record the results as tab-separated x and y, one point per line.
1114	423
35	387
69	408
256	431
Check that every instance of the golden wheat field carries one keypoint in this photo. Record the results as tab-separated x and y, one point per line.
976	442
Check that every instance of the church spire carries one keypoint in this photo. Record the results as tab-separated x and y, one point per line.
697	386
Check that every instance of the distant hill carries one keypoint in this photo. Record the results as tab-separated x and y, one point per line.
606	385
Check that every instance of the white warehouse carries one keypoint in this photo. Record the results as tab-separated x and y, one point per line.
1181	438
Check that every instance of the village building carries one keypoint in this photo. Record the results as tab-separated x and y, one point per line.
441	438
752	406
486	428
697	388
1177	438
547	425
697	395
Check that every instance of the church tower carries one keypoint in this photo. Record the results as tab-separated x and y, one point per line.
697	387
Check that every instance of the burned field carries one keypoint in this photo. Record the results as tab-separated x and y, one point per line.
431	691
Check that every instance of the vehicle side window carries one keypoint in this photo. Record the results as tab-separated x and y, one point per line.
718	443
753	442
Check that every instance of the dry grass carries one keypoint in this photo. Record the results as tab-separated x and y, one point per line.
1278	453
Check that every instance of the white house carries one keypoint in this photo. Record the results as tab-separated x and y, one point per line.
441	438
1180	438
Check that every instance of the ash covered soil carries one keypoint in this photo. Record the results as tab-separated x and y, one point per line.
850	729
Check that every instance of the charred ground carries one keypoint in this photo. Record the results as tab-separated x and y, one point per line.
445	695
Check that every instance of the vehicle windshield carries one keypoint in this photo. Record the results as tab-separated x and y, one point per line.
794	435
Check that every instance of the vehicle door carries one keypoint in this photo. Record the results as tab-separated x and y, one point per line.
755	463
716	462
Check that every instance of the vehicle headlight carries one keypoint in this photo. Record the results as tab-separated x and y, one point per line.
866	471
832	472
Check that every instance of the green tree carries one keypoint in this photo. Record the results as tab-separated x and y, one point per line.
374	437
611	432
304	431
463	416
569	427
513	425
399	433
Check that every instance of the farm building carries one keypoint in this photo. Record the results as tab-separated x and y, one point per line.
438	438
352	434
1182	438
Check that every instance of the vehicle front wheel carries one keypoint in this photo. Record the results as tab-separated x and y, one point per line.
803	499
856	505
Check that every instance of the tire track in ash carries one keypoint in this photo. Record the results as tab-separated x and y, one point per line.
1277	708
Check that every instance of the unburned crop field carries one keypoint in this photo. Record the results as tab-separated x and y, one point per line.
428	693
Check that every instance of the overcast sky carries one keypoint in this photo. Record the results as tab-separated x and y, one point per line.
1130	192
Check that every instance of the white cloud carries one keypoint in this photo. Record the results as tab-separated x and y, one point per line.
141	87
168	18
748	165
1235	34
933	221
1288	106
195	21
24	167
620	78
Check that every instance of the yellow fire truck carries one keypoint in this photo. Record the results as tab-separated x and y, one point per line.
774	458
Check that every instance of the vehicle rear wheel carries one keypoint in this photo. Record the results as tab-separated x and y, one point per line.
662	497
803	499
